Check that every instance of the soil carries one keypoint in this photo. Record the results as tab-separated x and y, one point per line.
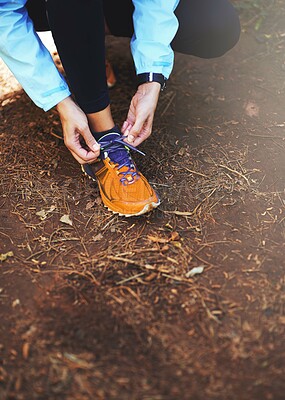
102	307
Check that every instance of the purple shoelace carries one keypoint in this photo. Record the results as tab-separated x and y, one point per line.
117	150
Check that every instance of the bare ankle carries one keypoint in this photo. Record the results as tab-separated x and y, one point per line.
101	121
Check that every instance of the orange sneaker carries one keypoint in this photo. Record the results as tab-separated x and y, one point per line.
124	190
110	75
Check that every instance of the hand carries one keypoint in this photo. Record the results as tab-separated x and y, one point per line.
74	124
138	125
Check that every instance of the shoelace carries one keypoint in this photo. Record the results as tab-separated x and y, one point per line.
118	152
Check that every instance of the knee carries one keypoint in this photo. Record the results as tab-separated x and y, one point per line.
207	28
223	30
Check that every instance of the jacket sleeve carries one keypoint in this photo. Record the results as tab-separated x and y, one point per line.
28	59
155	26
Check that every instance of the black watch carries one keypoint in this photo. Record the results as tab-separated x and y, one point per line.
151	77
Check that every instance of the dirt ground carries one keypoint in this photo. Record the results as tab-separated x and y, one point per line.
94	306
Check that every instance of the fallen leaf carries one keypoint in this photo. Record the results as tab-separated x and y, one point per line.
89	205
97	237
16	303
157	239
194	271
182	151
4	256
252	109
98	200
43	213
66	219
174	236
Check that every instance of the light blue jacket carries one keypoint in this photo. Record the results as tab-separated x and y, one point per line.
23	52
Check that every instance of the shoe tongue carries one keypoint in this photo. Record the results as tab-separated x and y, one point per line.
118	153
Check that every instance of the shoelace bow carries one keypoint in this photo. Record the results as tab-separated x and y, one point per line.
122	158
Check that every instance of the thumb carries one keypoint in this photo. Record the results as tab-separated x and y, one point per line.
135	129
90	140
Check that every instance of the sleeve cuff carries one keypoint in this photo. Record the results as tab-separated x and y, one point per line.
55	99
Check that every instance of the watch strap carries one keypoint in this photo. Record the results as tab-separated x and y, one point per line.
151	77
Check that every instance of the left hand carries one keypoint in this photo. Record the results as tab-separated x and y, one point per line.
138	125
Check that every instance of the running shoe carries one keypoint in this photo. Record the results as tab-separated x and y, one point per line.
124	190
110	75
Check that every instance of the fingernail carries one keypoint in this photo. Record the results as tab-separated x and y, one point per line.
96	147
125	124
131	138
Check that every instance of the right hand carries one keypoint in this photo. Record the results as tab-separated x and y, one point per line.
75	124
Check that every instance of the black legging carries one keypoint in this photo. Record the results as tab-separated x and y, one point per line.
207	28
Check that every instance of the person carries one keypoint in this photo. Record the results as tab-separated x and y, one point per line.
203	28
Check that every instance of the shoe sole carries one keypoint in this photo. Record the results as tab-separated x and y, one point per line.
147	208
111	85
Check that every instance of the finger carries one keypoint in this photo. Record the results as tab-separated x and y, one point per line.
127	126
135	130
87	156
139	139
89	139
77	158
75	146
147	130
124	126
84	154
84	159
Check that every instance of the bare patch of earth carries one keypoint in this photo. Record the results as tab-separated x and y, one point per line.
106	308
